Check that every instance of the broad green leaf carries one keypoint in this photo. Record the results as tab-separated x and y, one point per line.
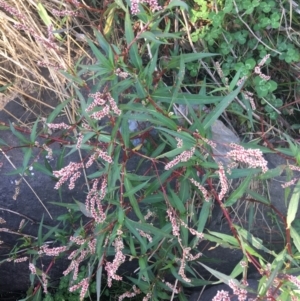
293	205
220	108
238	193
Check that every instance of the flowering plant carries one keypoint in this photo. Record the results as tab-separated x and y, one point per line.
153	214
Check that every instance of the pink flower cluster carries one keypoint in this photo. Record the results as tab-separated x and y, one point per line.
58	126
111	267
32	268
84	285
294	280
121	73
13	11
74	266
241	293
70	171
52	251
22	259
221	296
224	182
293	181
252	157
175	226
258	67
98	153
64	13
94	199
249	96
106	101
186	256
135	292
48	43
152	3
55	66
202	189
183	157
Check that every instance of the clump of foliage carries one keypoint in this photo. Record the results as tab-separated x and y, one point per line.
155	215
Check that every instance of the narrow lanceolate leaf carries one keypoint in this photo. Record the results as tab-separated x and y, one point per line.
296	238
293	205
57	110
99	278
220	108
33	131
238	193
134	56
133	201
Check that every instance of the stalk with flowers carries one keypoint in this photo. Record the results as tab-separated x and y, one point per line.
147	214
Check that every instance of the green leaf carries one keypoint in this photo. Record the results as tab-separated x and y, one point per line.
239	192
203	216
131	226
258	197
293	205
151	37
175	3
26	158
99	279
254	241
133	201
151	229
296	237
225	238
187	58
33	131
164	95
102	60
21	137
223	278
57	110
46	19
176	202
136	188
134	56
220	108
40	232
